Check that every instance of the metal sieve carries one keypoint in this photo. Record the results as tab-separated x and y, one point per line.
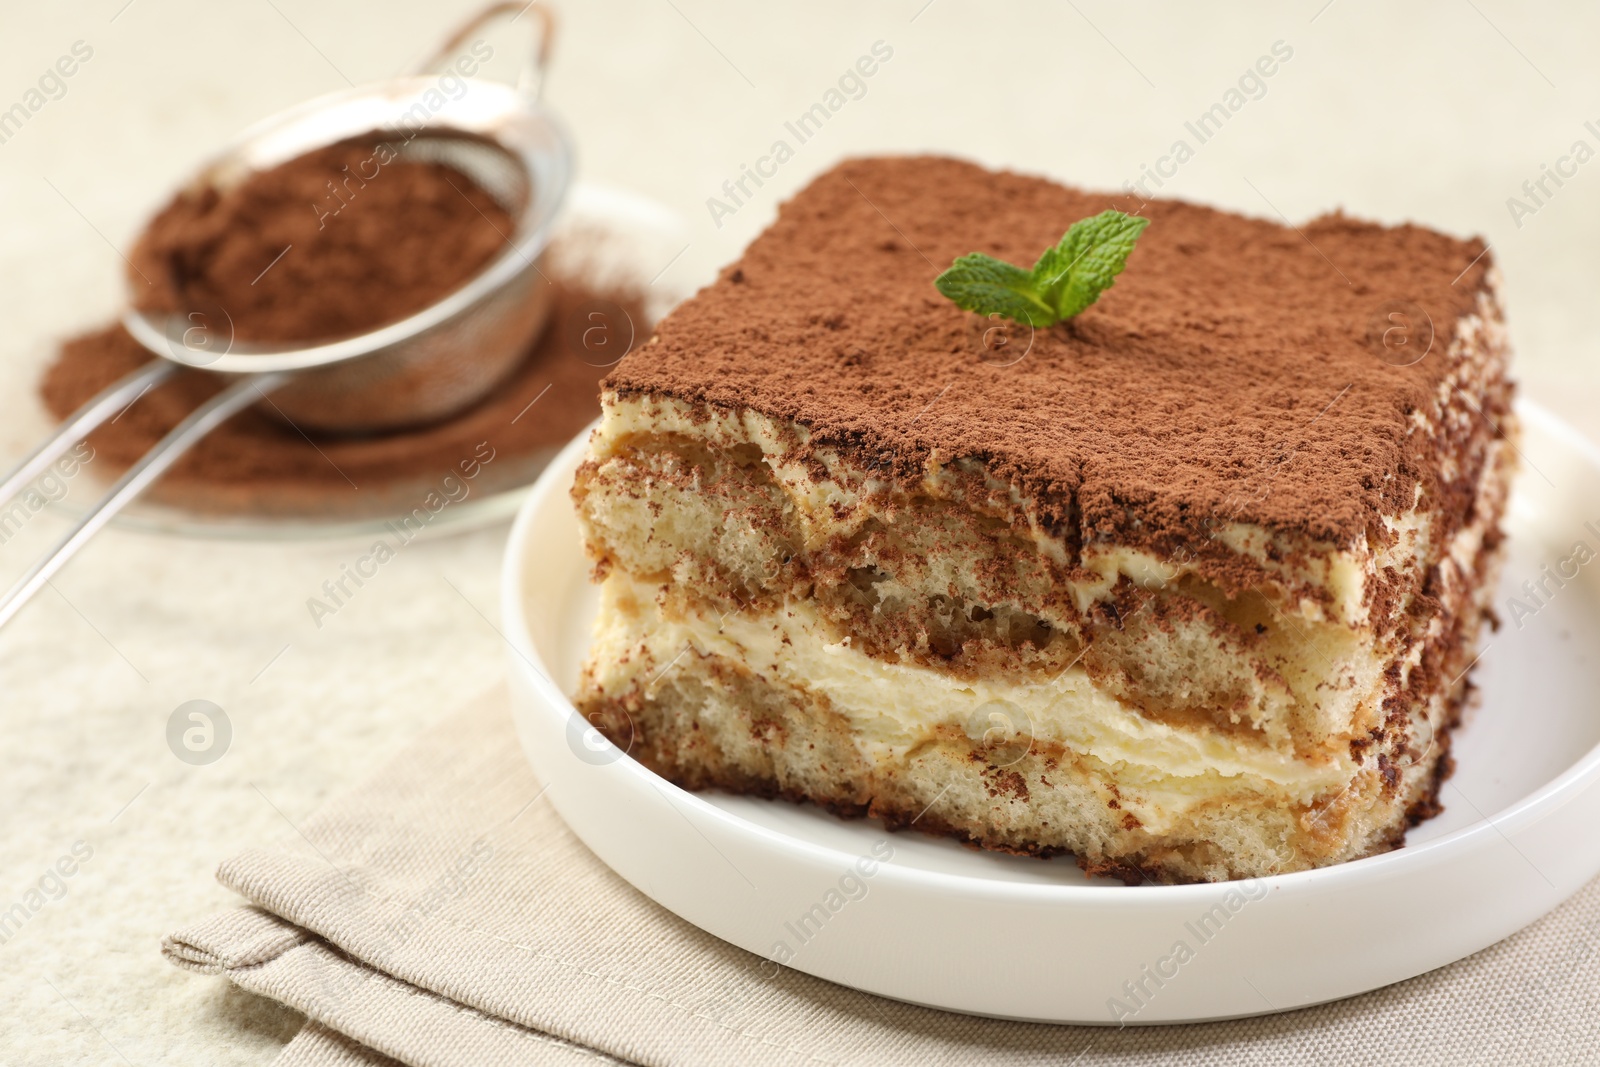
420	369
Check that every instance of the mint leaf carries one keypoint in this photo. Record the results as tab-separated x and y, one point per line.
981	283
1065	280
1091	254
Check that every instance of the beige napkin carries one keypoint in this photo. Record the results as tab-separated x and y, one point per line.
442	914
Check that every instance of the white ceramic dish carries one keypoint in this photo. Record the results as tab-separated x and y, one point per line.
948	927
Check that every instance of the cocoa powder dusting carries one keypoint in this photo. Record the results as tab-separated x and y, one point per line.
1229	375
333	243
257	465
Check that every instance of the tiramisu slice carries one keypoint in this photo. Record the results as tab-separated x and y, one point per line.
1187	585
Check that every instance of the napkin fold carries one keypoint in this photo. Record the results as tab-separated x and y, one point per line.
442	914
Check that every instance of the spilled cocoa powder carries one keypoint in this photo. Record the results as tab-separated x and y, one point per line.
333	243
257	465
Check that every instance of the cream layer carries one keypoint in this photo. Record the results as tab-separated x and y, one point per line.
1162	772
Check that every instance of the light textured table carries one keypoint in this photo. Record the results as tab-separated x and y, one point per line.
1438	113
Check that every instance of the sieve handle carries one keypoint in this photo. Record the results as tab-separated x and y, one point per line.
530	79
151	465
106	405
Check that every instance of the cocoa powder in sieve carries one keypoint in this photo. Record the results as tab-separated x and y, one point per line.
333	243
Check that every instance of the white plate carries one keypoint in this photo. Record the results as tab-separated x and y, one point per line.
949	927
